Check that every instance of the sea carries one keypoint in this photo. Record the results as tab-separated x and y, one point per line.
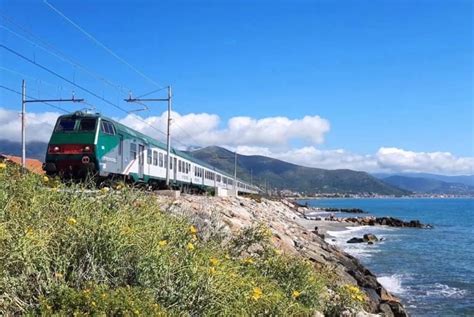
431	270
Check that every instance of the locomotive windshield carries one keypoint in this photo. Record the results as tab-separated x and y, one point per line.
70	124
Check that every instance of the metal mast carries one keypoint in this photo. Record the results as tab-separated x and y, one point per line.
168	133
24	101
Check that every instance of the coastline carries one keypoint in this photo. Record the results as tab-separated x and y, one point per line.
294	235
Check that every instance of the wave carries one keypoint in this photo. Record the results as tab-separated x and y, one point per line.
443	290
393	283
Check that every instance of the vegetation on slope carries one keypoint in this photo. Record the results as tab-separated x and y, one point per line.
284	175
69	251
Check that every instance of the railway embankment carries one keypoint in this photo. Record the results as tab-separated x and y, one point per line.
69	250
282	217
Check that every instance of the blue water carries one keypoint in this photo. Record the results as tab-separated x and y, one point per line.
432	271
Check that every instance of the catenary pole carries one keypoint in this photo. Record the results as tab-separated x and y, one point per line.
168	132
24	101
23	126
168	139
235	171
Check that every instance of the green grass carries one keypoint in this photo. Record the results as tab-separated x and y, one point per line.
67	251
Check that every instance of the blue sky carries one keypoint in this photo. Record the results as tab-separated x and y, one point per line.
383	73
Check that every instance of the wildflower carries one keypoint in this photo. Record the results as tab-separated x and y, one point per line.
93	304
71	221
58	275
248	260
105	190
194	237
45	179
295	294
212	270
3	166
193	229
190	246
28	231
104	295
137	312
213	261
256	293
162	243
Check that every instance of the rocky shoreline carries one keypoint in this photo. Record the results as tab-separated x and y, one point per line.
231	214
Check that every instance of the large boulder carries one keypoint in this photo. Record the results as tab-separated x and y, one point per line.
369	237
355	240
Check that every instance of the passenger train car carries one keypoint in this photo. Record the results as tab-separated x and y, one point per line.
90	144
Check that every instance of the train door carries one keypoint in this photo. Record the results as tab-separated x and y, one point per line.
175	169
141	160
120	155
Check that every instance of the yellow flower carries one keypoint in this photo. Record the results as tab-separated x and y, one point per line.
45	179
105	190
194	237
104	295
28	231
212	270
190	246
213	261
93	304
3	166
137	312
162	243
193	229
295	294
72	221
256	293
58	275
248	260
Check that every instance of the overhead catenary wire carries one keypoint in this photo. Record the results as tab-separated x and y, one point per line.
48	47
32	98
18	54
103	46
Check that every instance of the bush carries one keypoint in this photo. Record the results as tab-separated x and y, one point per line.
70	251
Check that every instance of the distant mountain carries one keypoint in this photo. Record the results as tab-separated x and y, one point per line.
462	179
284	175
36	150
429	185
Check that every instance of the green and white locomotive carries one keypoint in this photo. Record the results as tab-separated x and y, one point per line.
90	144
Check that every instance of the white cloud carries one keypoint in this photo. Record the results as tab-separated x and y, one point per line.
203	129
38	125
435	162
384	160
271	136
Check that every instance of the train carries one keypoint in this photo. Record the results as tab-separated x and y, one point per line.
87	144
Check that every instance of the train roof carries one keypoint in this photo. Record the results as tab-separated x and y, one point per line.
148	139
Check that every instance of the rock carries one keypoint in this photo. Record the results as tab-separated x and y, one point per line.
366	314
370	242
386	310
369	237
355	240
318	314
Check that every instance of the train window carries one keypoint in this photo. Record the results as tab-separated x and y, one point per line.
148	156
107	127
218	178
155	158
133	151
66	124
161	159
171	163
180	164
87	124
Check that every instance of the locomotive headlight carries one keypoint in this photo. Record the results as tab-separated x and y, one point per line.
87	148
56	149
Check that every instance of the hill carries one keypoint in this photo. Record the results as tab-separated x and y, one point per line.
34	150
460	179
429	185
283	175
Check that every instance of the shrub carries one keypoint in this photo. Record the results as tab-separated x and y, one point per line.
68	250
